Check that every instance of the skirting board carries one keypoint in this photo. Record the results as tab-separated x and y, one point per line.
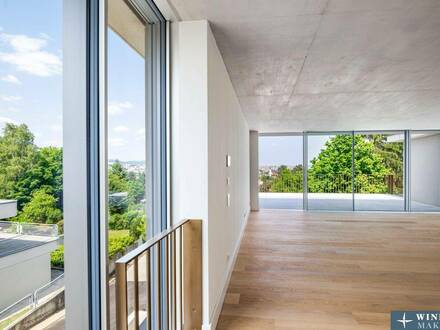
219	304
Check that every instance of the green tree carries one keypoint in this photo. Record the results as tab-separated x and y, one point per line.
18	155
331	170
41	209
46	173
136	187
288	180
25	168
117	178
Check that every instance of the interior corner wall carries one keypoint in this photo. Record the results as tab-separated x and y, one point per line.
425	173
207	126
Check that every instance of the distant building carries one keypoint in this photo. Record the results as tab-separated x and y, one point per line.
8	208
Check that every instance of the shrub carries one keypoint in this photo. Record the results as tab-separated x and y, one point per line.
60	225
57	257
117	222
117	243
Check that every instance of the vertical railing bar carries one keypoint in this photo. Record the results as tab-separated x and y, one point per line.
181	276
174	281
167	276
149	297
121	296
136	292
159	287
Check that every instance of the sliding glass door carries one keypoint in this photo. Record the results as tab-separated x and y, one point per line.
330	171
281	171
352	171
379	162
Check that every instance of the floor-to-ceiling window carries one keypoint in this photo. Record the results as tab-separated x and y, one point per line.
136	142
424	171
379	163
391	170
127	41
329	171
281	172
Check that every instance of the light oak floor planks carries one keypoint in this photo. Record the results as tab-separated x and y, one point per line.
335	271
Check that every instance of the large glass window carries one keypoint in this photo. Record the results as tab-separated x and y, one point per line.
379	171
31	153
136	146
329	172
128	39
281	171
424	169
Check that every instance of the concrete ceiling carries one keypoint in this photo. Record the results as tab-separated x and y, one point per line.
329	64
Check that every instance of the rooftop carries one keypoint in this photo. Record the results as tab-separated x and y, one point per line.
18	237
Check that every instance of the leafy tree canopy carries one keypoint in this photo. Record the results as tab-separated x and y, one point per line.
41	209
25	168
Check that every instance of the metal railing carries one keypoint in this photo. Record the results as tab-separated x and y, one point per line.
32	300
32	229
170	265
337	183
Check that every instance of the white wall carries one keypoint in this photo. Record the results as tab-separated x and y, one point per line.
24	272
228	134
8	209
425	171
208	125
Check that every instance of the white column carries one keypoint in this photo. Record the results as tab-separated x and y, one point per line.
253	157
75	165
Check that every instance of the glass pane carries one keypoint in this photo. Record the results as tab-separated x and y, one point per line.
425	173
31	153
280	170
127	39
329	172
379	168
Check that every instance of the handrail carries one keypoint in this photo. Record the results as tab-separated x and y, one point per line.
149	243
170	265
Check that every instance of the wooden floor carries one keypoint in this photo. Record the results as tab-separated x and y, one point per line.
337	271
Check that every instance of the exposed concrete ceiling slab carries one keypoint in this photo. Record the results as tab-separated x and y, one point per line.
329	64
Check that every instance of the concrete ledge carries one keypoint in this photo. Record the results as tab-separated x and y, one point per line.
40	313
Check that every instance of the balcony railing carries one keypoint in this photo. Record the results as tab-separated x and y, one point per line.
171	267
32	229
337	183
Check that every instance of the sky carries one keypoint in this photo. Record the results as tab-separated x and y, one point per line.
31	86
31	78
31	67
288	150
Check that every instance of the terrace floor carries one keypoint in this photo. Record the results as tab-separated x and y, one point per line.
332	270
341	202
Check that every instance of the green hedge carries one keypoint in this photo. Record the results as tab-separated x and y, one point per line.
57	257
118	243
119	240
